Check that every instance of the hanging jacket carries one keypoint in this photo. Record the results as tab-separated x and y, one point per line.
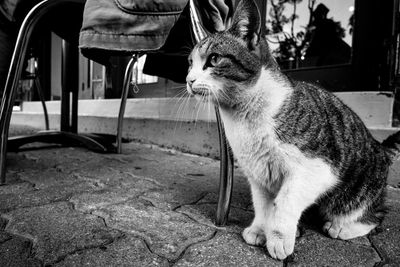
159	27
123	26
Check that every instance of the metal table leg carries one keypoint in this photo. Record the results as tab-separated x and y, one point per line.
43	101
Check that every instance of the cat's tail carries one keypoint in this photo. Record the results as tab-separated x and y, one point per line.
392	143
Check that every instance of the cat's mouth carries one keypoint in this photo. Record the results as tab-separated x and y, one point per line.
202	91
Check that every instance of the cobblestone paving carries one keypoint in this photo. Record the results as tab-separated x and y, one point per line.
152	207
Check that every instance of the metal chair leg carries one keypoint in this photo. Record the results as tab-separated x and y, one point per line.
15	71
226	175
41	96
124	97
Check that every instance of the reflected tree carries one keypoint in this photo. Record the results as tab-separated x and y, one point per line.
294	47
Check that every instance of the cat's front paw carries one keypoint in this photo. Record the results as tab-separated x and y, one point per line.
280	245
254	235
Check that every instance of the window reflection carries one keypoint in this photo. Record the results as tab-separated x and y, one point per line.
307	33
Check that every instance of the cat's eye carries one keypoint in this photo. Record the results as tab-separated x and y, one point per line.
212	60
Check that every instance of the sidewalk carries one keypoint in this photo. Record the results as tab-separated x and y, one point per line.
151	207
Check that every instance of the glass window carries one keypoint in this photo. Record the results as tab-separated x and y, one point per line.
310	33
139	77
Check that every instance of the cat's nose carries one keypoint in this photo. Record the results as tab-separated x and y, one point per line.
190	81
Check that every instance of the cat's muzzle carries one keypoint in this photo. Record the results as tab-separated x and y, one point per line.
202	92
199	90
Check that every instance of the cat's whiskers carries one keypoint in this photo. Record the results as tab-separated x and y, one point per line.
198	103
180	120
186	106
223	94
215	103
209	110
178	87
216	98
183	97
200	106
180	97
179	101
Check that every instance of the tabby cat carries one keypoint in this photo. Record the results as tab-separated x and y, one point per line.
297	144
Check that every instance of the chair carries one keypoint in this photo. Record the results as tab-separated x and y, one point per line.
68	131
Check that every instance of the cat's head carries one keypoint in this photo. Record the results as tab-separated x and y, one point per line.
227	64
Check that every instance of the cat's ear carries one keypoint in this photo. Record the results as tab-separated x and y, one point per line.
246	23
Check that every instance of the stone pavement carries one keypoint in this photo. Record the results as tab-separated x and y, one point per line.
151	207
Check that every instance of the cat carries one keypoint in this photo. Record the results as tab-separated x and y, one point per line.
297	143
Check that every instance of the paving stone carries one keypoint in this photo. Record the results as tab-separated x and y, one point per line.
126	251
205	214
314	249
16	188
386	238
387	243
393	195
240	199
89	201
394	174
46	158
391	264
363	240
168	233
173	197
45	178
17	162
62	158
4	236
104	176
37	197
12	177
3	223
226	249
178	168
42	185
15	251
58	230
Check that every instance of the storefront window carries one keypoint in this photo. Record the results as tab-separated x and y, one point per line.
310	33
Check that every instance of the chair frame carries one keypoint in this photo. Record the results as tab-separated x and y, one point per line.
68	133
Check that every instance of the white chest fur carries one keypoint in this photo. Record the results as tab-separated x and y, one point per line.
253	141
256	149
263	157
269	162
